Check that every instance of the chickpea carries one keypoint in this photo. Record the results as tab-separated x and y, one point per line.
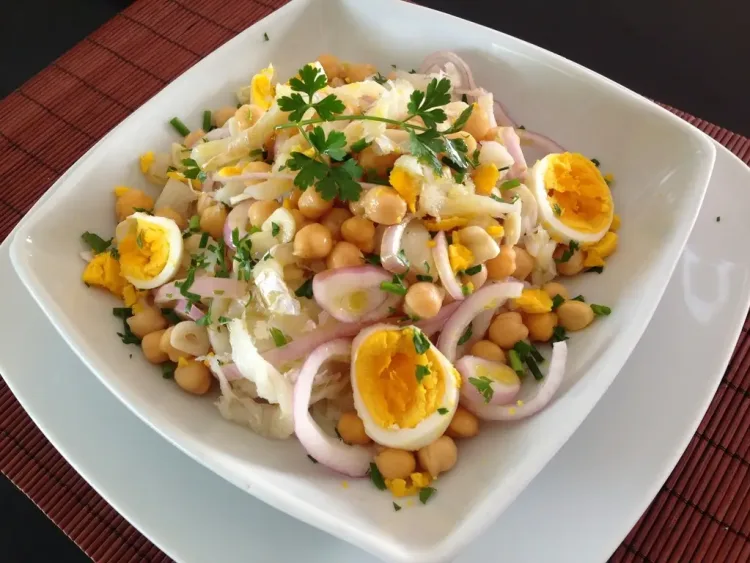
299	219
489	351
312	205
383	205
477	280
554	288
204	202
127	202
194	377
165	345
344	255
357	72
575	315
463	425
221	116
334	219
259	211
524	264
150	347
193	137
502	265
478	123
247	115
574	264
352	429
423	300
381	163
146	321
331	65
438	457
357	208
294	197
360	231
169	213
471	142
540	325
395	464
213	219
507	329
313	241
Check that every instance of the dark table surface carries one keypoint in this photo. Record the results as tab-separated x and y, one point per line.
690	55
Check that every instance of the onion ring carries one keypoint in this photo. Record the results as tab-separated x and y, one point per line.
188	312
303	345
435	324
512	142
349	460
237	219
490	296
390	246
544	393
442	261
333	289
503	392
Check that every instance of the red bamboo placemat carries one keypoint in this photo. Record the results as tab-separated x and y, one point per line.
702	513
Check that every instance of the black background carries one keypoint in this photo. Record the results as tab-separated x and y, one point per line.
691	55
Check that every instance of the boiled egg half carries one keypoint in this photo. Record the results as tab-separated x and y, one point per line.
150	250
405	390
575	202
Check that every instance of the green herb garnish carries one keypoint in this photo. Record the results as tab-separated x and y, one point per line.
275	229
556	208
568	253
473	270
557	300
95	242
380	79
426	493
516	363
179	126
142	210
396	507
376	477
395	286
510	184
360	145
442	410
306	289
170	315
596	162
600	310
423	278
126	335
484	386
559	334
279	338
421	343
207	120
402	258
534	369
422	372
596	269
167	370
373	259
579	298
466	335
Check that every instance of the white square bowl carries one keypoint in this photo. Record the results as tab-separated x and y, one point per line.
662	167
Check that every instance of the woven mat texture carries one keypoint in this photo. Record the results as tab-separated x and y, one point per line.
702	513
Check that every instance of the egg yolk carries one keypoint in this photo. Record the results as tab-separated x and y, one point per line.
534	301
386	375
578	193
412	486
146	161
144	251
485	177
445	224
407	186
104	271
261	89
460	257
499	372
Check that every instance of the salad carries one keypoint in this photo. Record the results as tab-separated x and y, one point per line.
370	263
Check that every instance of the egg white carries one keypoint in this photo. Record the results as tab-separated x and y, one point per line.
174	241
428	429
547	217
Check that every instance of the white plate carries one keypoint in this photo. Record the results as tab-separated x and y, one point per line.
582	504
662	167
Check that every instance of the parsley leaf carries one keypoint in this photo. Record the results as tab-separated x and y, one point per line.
426	146
310	170
442	410
421	277
568	254
510	184
466	335
97	243
484	386
171	316
275	229
426	493
396	507
422	372
306	289
421	343
376	477
395	286
311	79
461	121
557	300
380	79
473	270
333	145
600	310
295	104
373	259
426	104
341	182
279	338
126	335
167	370
558	334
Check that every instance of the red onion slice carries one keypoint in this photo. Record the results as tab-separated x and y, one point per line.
489	297
544	392
188	312
303	345
476	367
435	324
390	246
205	286
512	143
437	62
443	264
237	219
479	327
349	460
537	146
502	116
337	290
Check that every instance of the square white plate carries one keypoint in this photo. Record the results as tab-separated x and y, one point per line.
584	502
658	159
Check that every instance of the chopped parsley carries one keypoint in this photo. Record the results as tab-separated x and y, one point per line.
473	270
95	242
312	458
167	370
568	253
559	334
376	477
510	184
600	310
373	259
442	410
466	335
596	269
204	241
192	170
426	493
516	363
142	210
557	300
534	369
465	289
265	37
279	338
395	286
556	208
579	298
194	224
596	162
205	320
170	315
380	79
484	386
396	507
126	335
422	372
306	289
275	229
423	278
421	343
360	145
403	259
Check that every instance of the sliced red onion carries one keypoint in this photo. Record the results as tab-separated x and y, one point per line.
443	264
435	324
391	246
542	145
476	367
188	312
544	392
303	345
333	290
331	452
502	116
437	62
479	326
237	219
490	297
205	286
512	143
